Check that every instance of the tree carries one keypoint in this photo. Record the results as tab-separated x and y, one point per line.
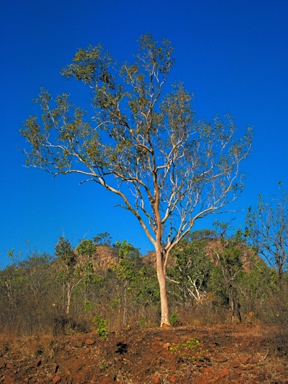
229	259
268	231
233	259
127	271
103	239
70	272
168	169
86	247
193	266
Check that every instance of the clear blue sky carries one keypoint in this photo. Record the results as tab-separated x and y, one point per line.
233	55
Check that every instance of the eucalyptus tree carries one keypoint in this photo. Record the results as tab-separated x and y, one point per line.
267	230
193	266
142	143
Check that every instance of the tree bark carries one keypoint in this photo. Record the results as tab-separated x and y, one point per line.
69	292
161	275
235	309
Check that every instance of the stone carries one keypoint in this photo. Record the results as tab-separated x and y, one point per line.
9	380
244	360
224	372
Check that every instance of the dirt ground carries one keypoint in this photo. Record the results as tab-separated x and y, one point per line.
215	354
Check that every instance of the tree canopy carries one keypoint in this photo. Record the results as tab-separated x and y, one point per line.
177	169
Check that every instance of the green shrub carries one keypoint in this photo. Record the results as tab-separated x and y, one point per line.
101	325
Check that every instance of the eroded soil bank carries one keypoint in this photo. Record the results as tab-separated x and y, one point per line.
215	354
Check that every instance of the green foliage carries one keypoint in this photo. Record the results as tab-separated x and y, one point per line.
129	261
191	349
86	247
192	344
101	327
65	253
35	292
136	282
139	134
103	239
88	306
230	261
259	282
203	234
174	318
14	258
193	266
178	169
267	231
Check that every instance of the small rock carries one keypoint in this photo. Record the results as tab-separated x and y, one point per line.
224	372
9	380
220	359
244	360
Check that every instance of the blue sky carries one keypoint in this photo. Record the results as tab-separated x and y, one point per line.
233	55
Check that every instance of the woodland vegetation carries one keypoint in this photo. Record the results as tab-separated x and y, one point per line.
211	278
143	143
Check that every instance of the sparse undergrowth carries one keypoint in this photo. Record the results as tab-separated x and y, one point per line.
191	349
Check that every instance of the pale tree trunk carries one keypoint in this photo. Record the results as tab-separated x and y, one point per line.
69	293
162	285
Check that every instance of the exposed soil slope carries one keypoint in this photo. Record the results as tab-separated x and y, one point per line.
218	354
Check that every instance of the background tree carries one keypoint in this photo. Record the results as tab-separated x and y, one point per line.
86	247
258	289
27	289
232	257
127	269
193	266
103	238
268	231
70	270
177	169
